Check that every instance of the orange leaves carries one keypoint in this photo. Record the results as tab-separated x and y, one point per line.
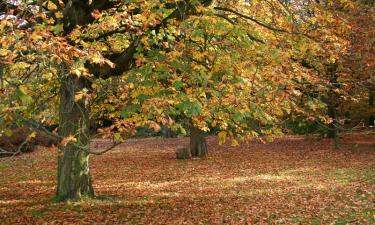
290	181
153	125
97	58
96	14
65	52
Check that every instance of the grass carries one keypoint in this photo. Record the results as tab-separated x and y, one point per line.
290	181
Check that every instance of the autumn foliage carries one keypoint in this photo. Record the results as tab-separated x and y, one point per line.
244	71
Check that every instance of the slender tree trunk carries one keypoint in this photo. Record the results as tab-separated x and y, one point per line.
198	144
332	102
1	79
371	120
73	178
333	127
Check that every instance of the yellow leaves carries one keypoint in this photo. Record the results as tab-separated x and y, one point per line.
32	135
200	123
201	8
81	95
36	36
200	55
48	76
3	52
326	119
51	6
68	140
117	137
222	137
234	142
99	59
81	71
20	66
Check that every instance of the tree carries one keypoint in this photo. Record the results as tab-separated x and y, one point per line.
238	76
361	53
73	176
66	21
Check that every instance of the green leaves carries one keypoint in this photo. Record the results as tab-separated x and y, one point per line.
156	55
177	84
58	29
189	108
23	96
129	110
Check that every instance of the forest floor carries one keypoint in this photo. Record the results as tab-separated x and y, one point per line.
293	180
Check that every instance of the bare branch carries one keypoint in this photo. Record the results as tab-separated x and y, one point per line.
115	144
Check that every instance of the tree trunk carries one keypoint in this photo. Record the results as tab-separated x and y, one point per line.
332	103
371	120
333	127
198	144
73	178
168	132
183	152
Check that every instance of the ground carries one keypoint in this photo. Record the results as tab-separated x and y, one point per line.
294	180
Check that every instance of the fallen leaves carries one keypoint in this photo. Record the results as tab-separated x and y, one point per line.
289	181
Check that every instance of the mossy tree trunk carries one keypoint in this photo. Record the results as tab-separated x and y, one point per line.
73	173
73	178
198	143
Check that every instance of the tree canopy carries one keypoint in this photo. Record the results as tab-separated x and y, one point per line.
236	68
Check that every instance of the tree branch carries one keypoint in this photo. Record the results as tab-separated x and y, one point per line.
268	26
115	144
125	61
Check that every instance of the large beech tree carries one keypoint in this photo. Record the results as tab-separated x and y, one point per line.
73	178
232	65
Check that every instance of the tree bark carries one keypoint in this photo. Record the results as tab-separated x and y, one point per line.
168	132
332	127
371	120
183	152
73	178
198	144
332	103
